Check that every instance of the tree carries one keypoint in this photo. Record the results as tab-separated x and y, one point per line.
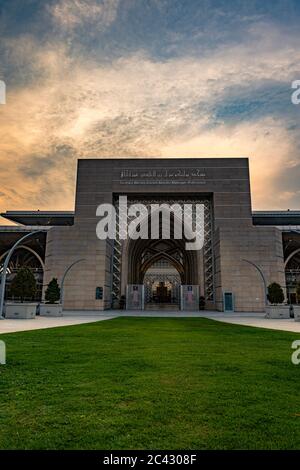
52	293
275	293
23	285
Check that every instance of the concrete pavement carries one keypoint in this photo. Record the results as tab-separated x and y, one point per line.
80	317
40	323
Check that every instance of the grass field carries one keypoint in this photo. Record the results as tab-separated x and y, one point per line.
150	383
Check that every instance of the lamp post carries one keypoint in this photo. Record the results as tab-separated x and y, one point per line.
5	266
262	276
64	277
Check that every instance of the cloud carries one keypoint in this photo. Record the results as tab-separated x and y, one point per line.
267	144
137	105
71	14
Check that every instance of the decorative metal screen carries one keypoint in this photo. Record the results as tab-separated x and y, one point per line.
207	249
171	280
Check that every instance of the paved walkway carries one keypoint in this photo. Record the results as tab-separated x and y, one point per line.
39	323
248	319
78	317
259	321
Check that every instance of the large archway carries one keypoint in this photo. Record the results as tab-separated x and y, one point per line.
142	254
292	275
23	256
161	266
131	258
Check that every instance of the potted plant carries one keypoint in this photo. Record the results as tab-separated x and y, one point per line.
201	302
52	307
23	286
276	309
122	302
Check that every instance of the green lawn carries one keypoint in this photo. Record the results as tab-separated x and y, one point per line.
150	383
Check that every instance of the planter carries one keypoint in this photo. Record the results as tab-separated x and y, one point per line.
296	312
51	310
20	310
278	311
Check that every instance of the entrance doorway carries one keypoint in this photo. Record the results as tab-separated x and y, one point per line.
162	265
162	286
163	294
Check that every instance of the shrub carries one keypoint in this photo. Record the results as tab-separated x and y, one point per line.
275	293
23	285
122	302
52	293
201	302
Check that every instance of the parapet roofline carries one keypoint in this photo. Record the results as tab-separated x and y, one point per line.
286	213
44	218
54	218
276	218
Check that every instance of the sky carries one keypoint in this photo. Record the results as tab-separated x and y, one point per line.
147	78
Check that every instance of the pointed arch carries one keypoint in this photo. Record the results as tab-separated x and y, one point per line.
27	248
291	256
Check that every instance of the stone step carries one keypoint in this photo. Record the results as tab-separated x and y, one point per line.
164	306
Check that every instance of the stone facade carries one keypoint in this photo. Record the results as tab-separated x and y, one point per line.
225	181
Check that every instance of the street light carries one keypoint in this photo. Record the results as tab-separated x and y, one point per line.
5	266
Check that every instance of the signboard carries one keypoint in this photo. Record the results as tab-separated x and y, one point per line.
135	297
189	297
162	176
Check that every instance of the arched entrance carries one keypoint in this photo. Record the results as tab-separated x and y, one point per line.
23	256
292	275
130	259
161	266
142	254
